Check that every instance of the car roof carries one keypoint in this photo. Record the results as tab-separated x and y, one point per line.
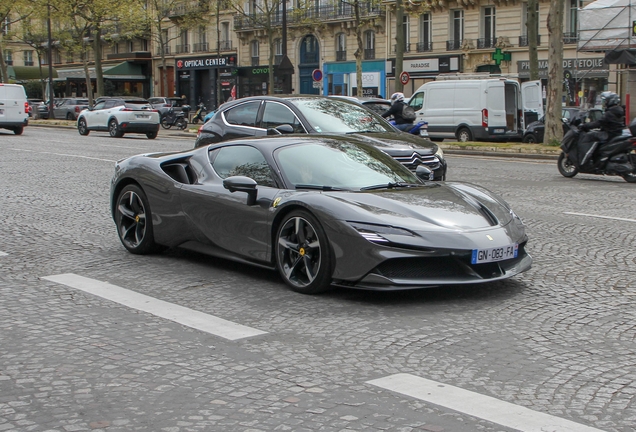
271	143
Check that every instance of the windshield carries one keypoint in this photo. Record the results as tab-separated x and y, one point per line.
330	115
339	164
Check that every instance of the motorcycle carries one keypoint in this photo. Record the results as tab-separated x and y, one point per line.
419	128
173	118
582	154
198	115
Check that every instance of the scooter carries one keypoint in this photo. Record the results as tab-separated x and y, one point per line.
419	128
173	118
198	115
615	157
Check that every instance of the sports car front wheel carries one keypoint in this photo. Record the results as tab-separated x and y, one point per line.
134	222
302	253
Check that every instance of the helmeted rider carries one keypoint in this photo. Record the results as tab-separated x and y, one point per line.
397	105
611	124
613	119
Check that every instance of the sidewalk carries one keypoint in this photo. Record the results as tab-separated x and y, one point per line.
503	149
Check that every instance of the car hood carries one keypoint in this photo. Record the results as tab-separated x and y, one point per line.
436	207
398	141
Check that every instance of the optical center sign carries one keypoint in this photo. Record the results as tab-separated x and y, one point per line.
205	62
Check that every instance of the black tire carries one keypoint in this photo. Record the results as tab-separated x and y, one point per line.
18	130
464	135
113	129
529	138
151	135
630	178
182	124
81	127
165	124
70	116
566	167
134	221
195	120
303	256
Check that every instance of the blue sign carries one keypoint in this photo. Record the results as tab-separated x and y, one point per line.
317	75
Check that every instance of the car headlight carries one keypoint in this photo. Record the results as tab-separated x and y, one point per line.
379	233
439	153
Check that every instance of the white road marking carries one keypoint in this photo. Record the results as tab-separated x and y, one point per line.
170	311
601	217
3	254
63	154
478	405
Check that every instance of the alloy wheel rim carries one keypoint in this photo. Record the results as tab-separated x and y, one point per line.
132	219
299	252
567	165
82	126
113	128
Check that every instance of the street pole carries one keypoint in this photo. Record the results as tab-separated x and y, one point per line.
50	59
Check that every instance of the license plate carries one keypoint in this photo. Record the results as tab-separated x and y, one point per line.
494	254
141	116
499	131
423	132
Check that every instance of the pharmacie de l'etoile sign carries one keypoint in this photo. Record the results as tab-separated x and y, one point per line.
206	62
586	65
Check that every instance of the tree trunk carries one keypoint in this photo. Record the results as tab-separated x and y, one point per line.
553	122
399	44
359	54
532	32
89	85
3	65
97	49
270	60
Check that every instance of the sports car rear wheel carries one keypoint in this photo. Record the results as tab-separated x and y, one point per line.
302	253
134	222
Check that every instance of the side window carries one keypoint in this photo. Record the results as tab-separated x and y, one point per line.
417	101
242	161
99	106
276	114
243	114
109	104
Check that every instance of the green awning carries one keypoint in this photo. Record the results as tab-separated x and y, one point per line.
25	73
125	69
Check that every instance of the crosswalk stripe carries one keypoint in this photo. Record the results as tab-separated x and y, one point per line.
478	405
170	311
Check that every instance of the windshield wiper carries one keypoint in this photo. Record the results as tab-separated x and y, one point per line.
391	186
319	187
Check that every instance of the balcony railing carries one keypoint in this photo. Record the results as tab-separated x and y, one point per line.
200	47
185	8
424	46
570	38
523	40
368	9
369	53
486	43
166	49
255	61
226	45
407	48
453	45
341	55
180	49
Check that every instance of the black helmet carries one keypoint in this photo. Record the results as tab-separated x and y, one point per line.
609	99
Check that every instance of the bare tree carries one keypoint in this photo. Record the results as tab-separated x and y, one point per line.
532	24
553	122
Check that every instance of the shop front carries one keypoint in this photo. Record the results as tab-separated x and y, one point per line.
340	78
584	79
254	80
421	70
197	78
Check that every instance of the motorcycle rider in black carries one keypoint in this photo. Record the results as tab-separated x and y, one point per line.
611	124
397	105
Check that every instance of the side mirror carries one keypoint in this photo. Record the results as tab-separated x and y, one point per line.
424	173
279	130
242	184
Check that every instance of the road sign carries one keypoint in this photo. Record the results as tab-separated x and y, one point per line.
316	84
404	78
317	75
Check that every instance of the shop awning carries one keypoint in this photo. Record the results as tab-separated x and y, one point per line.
124	70
490	68
25	73
624	56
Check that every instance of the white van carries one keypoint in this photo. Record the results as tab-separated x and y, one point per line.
14	108
477	109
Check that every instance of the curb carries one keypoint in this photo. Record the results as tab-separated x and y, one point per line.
493	152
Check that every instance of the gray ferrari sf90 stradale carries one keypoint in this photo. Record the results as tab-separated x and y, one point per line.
323	210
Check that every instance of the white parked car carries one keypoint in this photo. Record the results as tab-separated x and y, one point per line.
120	116
14	108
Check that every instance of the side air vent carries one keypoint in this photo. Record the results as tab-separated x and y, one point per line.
180	172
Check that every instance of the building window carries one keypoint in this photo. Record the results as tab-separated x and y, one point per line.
406	28
28	58
571	22
254	52
183	46
226	43
130	46
202	44
278	51
144	44
341	47
456	30
57	56
369	45
426	43
6	26
8	57
488	28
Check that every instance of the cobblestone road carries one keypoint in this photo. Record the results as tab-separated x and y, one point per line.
559	339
